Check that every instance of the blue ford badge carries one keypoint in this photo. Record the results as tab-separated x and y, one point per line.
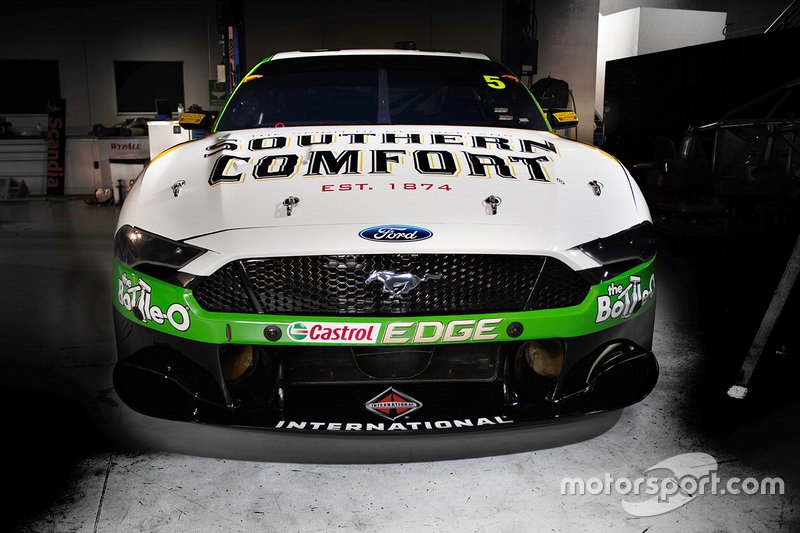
396	233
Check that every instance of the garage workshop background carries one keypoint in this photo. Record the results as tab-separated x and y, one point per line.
641	74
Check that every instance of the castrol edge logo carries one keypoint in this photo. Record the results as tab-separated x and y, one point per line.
333	332
422	332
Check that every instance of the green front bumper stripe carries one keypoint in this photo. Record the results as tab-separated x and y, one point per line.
173	310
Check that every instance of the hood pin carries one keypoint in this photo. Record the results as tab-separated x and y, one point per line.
493	201
176	188
290	204
597	187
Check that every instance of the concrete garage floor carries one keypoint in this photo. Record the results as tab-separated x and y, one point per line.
76	459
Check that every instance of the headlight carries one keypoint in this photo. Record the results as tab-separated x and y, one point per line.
621	251
154	255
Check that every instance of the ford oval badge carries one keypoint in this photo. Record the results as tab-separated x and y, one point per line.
395	233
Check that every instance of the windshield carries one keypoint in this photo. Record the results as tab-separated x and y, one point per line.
428	90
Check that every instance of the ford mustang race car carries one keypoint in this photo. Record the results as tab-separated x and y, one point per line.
383	241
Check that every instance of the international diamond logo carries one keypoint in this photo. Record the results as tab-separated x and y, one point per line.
392	404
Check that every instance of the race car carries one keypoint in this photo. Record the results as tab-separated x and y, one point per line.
383	241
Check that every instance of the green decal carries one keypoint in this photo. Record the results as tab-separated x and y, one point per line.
173	310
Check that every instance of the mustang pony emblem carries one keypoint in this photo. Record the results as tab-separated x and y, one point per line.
398	284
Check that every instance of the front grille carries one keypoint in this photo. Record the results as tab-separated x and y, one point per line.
336	285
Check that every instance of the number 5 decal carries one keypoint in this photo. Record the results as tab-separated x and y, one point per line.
494	82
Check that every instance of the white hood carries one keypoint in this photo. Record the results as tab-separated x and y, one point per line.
351	178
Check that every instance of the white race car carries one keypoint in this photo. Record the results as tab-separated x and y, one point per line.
383	241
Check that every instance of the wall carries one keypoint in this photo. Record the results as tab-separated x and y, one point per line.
745	17
466	25
617	37
567	32
609	7
87	37
648	30
666	29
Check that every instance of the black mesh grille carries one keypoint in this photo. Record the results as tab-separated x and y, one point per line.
224	291
336	284
558	286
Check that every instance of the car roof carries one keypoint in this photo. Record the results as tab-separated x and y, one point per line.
376	51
